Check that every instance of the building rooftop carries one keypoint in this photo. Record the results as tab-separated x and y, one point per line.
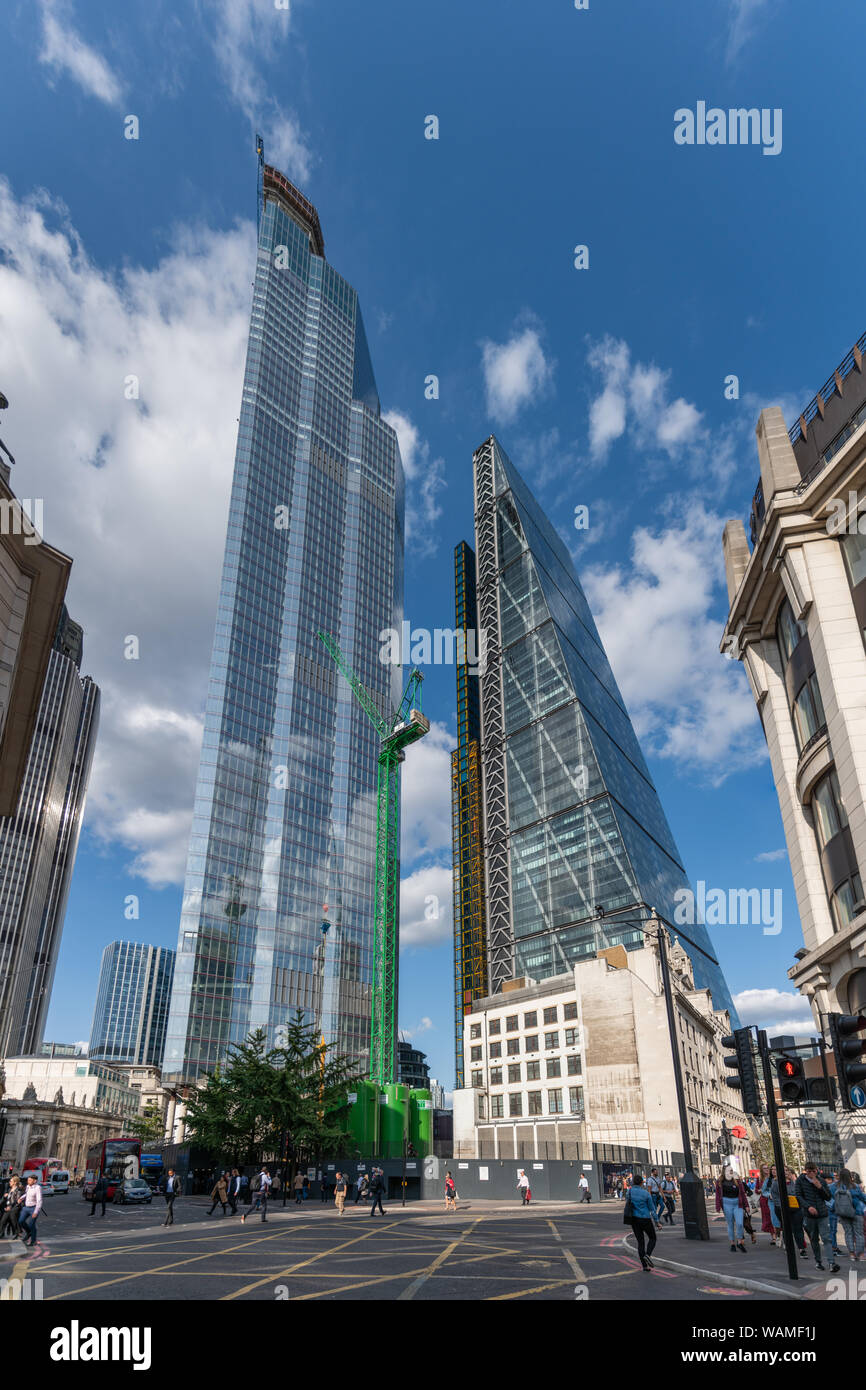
299	208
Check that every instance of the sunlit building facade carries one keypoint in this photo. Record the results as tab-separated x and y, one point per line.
131	1013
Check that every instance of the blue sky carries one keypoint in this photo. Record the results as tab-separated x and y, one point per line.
134	257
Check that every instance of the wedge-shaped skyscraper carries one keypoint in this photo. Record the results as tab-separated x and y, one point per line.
574	835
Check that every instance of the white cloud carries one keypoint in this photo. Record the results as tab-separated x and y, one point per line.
64	51
425	814
424	481
138	492
633	399
770	855
425	1026
245	34
425	907
743	21
661	633
779	1011
516	373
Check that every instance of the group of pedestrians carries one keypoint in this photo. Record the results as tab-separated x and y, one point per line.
20	1209
818	1205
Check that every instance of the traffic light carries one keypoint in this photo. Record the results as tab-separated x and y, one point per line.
792	1080
847	1048
410	1150
746	1080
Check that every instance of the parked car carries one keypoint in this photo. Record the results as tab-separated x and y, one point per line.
59	1181
132	1190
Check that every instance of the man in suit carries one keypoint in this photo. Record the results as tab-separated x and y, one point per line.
234	1190
99	1194
377	1187
172	1189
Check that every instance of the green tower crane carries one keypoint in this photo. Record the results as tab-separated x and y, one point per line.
406	726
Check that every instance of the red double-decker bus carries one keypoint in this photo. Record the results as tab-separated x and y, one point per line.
115	1159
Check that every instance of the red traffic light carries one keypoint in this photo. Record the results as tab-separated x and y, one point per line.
788	1069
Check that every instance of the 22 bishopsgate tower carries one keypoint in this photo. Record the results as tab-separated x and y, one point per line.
284	831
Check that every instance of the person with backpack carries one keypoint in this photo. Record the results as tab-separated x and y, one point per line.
814	1195
259	1195
640	1214
377	1187
850	1206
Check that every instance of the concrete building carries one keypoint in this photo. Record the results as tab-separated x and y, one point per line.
797	621
59	1106
38	843
80	1080
566	1066
437	1093
33	580
132	999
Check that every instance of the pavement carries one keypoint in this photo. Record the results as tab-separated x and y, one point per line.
487	1250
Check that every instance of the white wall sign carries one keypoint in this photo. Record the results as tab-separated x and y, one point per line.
484	1174
462	1165
538	1165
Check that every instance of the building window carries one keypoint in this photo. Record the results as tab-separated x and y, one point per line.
554	1102
475	1054
533	1071
515	1103
495	1049
808	712
475	1030
513	1072
478	1079
551	1040
569	1011
496	1108
551	1015
481	1107
512	1023
574	1066
530	1042
854	555
553	1067
494	1025
496	1077
827	805
534	1103
788	631
513	1046
572	1038
530	1020
845	899
575	1100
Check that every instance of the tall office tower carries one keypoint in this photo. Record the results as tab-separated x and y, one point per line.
797	622
39	842
283	835
131	1012
576	845
470	943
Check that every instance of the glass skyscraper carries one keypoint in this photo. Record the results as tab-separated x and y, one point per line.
131	1013
39	842
575	838
283	836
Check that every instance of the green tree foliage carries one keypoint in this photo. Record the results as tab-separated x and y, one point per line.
149	1126
762	1149
263	1102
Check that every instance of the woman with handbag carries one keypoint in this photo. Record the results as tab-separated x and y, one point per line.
640	1214
731	1199
450	1193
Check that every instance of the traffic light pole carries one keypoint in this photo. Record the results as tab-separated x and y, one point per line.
779	1157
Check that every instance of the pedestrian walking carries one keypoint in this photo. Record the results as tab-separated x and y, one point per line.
31	1207
450	1193
172	1192
640	1214
583	1184
99	1194
377	1187
777	1197
850	1206
523	1188
814	1195
219	1194
10	1210
731	1199
363	1185
259	1195
669	1197
340	1193
298	1186
305	1187
324	1189
234	1188
653	1187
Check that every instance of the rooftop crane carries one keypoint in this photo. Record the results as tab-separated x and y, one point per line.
405	726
